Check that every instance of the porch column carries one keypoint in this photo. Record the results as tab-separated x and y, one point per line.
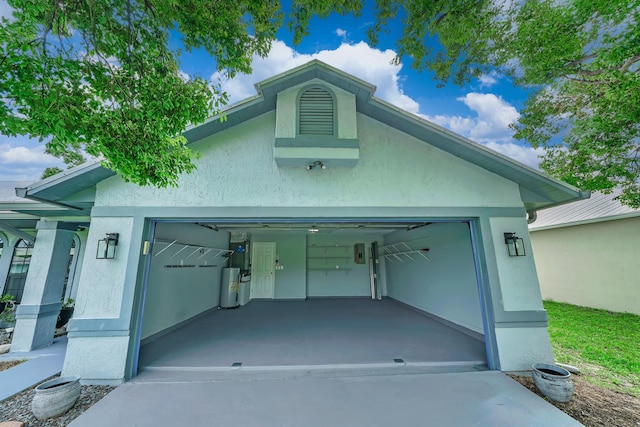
37	314
5	259
76	267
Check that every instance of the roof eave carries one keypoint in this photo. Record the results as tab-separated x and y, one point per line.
577	196
314	64
63	183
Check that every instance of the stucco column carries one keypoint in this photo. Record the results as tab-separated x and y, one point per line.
5	259
519	319
99	332
76	267
37	314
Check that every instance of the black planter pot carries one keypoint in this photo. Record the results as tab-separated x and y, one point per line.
63	317
2	306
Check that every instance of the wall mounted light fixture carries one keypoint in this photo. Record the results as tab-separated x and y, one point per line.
515	244
107	246
316	164
313	229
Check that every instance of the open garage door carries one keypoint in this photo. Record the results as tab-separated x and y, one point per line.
312	293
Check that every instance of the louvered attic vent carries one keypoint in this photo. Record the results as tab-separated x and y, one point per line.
316	112
314	134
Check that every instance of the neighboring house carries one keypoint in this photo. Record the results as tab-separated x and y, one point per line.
330	192
15	240
588	253
18	222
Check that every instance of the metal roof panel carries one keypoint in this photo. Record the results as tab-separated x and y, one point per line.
600	207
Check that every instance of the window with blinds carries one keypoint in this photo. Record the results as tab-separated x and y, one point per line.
316	115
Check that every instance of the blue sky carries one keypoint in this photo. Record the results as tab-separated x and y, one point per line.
481	111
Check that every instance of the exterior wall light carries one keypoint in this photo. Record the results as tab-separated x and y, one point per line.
107	246
515	244
313	229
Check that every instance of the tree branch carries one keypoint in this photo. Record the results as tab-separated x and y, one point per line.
629	62
578	80
581	60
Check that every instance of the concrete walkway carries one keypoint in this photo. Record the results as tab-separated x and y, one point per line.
40	365
486	398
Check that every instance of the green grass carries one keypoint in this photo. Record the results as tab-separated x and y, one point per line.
604	345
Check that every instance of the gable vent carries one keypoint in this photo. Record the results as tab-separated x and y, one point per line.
316	112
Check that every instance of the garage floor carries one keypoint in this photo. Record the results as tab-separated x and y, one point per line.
312	332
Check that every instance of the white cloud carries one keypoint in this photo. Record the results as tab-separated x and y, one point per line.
491	122
489	125
184	76
465	125
24	155
458	124
494	116
369	64
341	33
19	162
487	80
527	155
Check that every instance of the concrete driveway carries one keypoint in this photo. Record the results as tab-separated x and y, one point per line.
487	398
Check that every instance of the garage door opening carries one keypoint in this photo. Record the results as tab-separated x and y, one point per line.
224	295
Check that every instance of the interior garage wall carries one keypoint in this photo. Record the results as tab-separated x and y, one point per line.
177	294
290	283
325	252
446	285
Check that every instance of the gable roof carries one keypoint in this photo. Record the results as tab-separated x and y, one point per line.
537	190
600	207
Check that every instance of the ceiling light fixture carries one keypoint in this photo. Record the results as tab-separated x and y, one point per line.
315	164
